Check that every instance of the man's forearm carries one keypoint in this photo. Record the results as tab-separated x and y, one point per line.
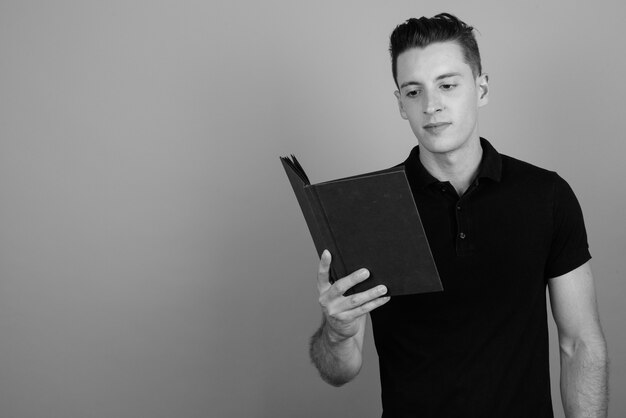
584	379
338	362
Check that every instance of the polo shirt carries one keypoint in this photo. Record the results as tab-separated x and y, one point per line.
480	347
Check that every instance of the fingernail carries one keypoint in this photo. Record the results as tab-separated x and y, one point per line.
381	289
364	273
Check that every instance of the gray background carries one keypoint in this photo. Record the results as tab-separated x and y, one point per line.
153	259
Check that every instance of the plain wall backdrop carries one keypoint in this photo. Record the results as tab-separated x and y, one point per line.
153	259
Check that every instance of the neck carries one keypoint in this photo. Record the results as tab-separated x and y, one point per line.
459	167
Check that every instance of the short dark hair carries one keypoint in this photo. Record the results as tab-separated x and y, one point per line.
419	33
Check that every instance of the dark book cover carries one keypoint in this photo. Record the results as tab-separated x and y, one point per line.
368	221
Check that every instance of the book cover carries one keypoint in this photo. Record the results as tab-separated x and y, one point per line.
368	221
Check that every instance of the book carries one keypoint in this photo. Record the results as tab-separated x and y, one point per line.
368	221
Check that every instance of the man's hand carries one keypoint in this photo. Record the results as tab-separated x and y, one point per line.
345	316
336	346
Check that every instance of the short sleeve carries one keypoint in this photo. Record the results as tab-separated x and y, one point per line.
569	248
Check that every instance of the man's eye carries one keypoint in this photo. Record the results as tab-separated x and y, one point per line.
412	93
448	86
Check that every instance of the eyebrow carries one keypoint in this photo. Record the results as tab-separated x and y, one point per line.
441	77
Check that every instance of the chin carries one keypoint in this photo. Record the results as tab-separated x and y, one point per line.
446	142
440	145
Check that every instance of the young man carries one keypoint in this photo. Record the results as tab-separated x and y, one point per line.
500	230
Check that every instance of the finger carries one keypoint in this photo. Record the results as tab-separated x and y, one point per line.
363	309
349	281
361	298
323	269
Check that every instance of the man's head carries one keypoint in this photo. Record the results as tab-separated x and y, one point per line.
444	27
439	88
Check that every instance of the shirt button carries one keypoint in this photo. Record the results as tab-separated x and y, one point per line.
458	207
462	235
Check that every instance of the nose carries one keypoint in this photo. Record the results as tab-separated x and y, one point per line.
433	103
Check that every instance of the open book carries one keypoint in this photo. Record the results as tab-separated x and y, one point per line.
368	221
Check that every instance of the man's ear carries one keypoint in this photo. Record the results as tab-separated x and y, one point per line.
400	106
483	89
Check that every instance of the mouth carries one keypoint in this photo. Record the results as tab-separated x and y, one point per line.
436	127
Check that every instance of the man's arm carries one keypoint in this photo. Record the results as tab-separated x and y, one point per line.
336	346
584	361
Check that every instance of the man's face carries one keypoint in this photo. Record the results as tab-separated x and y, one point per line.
440	97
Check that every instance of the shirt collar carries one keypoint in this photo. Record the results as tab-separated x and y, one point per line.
490	166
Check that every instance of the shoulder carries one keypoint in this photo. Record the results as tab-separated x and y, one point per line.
513	168
538	187
530	177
